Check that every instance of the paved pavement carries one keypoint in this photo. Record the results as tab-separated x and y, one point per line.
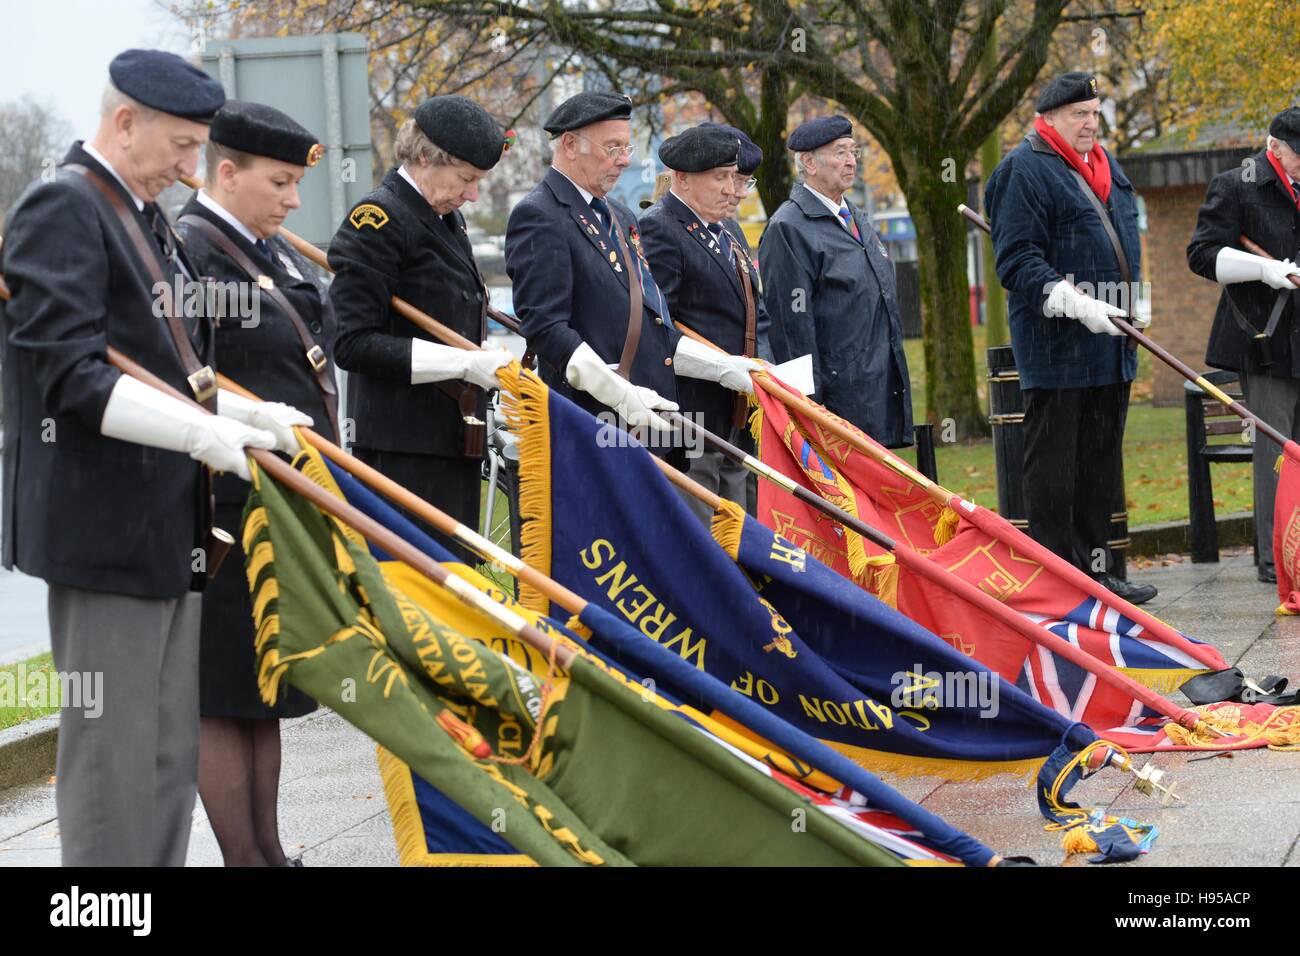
1242	809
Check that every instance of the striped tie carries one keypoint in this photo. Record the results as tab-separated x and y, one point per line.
852	226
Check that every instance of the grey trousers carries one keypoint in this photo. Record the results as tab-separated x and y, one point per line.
127	778
1276	401
722	476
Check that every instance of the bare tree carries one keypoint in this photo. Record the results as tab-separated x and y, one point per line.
32	139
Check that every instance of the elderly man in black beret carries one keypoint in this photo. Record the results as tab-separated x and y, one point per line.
280	349
1064	221
706	278
1255	331
106	479
414	421
829	287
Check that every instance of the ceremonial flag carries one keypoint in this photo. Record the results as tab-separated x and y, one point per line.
600	519
431	829
983	549
608	775
1286	530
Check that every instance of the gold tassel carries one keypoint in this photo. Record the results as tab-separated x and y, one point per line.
945	528
1280	731
727	526
756	419
884	578
1078	840
1277	465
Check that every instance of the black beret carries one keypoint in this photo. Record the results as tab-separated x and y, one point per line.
816	133
587	108
265	131
1286	127
462	128
1067	88
699	149
165	82
750	155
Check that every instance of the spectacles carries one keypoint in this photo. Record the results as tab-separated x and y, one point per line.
844	152
744	182
613	152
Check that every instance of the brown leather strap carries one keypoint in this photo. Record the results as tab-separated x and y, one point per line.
203	381
1124	272
635	303
313	354
740	402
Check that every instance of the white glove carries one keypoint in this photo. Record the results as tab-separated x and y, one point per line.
274	417
696	360
431	362
1067	301
1233	265
635	404
141	414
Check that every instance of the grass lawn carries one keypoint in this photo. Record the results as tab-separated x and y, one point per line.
1155	452
10	716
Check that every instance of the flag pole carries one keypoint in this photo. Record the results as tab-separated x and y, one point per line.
937	492
1173	361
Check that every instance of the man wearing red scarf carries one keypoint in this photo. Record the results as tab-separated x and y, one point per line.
1064	222
1255	332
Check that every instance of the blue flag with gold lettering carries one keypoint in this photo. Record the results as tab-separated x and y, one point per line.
768	619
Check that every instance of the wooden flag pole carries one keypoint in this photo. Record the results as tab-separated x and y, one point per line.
1173	361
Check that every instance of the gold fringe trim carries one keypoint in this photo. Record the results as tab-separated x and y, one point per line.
408	828
1280	730
311	463
273	669
947	768
1277	465
727	526
756	418
524	400
254	525
1284	611
574	624
1162	680
883	578
945	529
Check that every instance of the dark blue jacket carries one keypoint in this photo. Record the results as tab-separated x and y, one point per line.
704	293
567	290
1044	230
831	296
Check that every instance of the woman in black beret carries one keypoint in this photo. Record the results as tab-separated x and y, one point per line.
275	335
408	239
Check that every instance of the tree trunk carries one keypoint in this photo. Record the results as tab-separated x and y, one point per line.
950	389
774	176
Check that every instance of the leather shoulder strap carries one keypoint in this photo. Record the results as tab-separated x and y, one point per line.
635	303
315	356
203	381
1106	224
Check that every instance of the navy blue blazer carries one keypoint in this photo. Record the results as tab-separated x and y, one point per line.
569	290
703	291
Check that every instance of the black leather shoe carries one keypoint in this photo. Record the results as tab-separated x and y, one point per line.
1133	593
1266	575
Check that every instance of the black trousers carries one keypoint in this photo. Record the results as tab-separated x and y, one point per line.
453	485
1074	469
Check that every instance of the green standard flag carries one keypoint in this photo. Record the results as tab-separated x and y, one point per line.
608	778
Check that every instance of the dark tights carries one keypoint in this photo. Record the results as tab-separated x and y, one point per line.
239	781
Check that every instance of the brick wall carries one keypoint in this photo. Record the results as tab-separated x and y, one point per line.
1182	303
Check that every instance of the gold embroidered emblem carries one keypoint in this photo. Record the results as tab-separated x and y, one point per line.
370	215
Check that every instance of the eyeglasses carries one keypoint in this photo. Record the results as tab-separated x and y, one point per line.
844	152
744	182
613	152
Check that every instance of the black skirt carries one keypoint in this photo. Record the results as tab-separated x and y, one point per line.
227	670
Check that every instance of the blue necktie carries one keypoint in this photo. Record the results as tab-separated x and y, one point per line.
852	226
263	247
724	239
649	288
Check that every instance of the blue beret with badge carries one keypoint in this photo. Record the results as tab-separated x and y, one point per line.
816	133
167	83
264	131
700	148
587	108
750	153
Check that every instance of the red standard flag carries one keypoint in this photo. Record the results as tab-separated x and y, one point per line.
1286	530
983	549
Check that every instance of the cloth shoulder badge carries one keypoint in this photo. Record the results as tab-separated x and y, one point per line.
368	214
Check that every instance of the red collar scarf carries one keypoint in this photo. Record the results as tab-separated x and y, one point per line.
1095	173
1283	177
